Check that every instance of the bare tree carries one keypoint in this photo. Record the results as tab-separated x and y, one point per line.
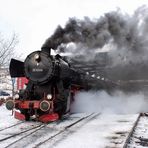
7	49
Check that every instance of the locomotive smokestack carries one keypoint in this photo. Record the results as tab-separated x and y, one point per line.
46	49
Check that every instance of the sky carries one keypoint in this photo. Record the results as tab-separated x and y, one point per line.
35	20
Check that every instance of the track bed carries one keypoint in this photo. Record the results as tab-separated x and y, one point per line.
139	134
31	134
79	130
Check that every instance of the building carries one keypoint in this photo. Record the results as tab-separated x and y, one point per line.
6	83
21	82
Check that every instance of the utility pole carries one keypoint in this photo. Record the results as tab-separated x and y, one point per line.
13	82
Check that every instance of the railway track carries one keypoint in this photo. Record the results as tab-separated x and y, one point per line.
19	133
65	129
28	134
16	130
11	126
42	133
36	135
138	136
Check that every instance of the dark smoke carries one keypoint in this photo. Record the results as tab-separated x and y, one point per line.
91	34
125	36
122	29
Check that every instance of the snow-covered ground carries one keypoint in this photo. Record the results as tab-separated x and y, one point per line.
102	132
106	130
6	118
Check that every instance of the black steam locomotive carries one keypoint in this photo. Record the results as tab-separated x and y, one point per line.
50	89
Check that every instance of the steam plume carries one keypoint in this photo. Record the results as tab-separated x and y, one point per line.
118	103
124	31
125	36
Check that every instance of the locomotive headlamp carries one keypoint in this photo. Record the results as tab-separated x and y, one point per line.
36	56
16	96
44	106
10	104
49	96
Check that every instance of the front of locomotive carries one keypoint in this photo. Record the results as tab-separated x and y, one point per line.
37	99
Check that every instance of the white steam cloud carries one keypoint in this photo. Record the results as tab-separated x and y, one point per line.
118	103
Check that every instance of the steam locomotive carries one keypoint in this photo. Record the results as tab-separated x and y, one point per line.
50	89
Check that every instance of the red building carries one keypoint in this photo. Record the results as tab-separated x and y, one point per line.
21	82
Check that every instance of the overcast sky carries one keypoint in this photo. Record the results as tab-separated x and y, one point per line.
35	20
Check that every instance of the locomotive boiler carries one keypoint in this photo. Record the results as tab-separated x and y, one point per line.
50	88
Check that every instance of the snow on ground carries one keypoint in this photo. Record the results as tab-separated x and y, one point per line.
6	118
102	132
107	130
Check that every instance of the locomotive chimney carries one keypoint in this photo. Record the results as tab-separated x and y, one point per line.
46	49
